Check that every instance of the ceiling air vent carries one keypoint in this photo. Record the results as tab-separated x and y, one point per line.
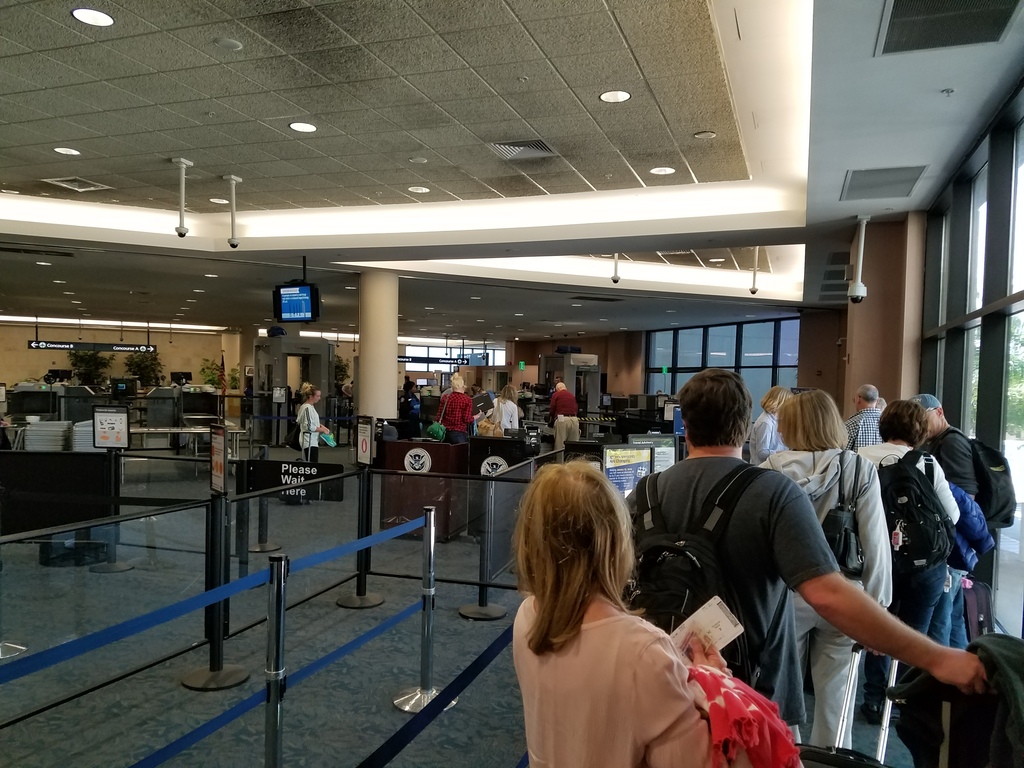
523	150
918	25
880	183
77	183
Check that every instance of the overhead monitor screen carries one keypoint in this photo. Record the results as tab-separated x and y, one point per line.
296	303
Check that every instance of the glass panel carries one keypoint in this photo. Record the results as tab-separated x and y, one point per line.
979	219
660	349
659	381
787	377
722	346
690	348
758	381
416	351
972	347
1017	233
758	344
1009	576
789	342
497	356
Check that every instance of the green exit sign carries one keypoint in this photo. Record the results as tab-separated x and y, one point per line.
664	369
522	365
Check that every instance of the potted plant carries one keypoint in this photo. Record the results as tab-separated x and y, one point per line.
145	366
90	366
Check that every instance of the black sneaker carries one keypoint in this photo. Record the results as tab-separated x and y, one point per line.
872	713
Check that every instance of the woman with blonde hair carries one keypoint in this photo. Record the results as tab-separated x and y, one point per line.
456	412
504	414
308	420
764	437
817	461
600	685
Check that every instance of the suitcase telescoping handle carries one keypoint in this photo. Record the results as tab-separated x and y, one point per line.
851	695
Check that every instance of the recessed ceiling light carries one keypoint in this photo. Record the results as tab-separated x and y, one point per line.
479	321
662	170
69	293
211	275
256	324
475	298
716	261
178	314
419	190
517	338
603	319
198	290
615	97
673	323
228	44
623	328
577	305
44	264
558	325
60	282
302	127
75	301
423	329
192	301
219	200
86	315
417	159
92	18
705	135
184	307
66	151
428	307
670	311
268	319
519	314
751	315
350	287
10	191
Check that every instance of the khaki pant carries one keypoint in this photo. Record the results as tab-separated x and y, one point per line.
566	428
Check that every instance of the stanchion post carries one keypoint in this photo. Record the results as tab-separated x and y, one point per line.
415	699
263	532
242	536
482	611
277	681
217	676
364	527
114	457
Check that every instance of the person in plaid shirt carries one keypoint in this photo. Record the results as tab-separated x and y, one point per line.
862	427
456	409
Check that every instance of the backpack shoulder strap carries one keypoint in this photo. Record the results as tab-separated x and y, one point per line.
647	502
721	502
857	460
842	490
912	459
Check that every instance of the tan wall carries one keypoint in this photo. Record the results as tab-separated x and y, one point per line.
620	356
884	330
823	351
179	352
625	363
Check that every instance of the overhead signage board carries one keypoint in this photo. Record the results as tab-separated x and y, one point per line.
434	360
218	457
90	346
110	427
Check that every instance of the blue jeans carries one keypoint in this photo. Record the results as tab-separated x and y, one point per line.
947	627
455	438
914	598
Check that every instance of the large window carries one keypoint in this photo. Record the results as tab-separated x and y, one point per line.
1018	216
1010	574
979	226
764	354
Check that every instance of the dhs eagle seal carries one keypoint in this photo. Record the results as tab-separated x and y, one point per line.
417	460
493	465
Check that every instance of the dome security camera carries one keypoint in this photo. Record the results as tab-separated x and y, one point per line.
182	231
615	279
753	290
233	242
857	292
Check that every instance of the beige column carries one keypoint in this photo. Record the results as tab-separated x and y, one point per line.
378	342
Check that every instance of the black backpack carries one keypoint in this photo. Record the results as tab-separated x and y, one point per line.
840	525
920	531
676	575
996	496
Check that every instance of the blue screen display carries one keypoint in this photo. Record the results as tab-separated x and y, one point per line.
296	302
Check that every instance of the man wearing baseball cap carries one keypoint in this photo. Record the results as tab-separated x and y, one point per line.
948	445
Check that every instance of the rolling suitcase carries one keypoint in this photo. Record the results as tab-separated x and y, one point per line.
978	617
837	756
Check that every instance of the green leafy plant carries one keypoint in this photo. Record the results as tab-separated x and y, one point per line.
233	378
145	366
89	367
342	368
209	371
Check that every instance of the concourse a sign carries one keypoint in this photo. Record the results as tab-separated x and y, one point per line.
90	346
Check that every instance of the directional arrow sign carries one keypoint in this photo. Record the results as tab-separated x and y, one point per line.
68	345
90	346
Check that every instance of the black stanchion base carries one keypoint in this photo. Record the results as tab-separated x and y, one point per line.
268	547
204	680
110	568
476	612
358	602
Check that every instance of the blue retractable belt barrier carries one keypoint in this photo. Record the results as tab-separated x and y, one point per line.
524	761
387	751
354	546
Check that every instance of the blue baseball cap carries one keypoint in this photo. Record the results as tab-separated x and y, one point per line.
928	402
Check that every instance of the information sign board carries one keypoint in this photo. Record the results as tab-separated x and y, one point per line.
90	346
110	426
665	449
434	360
218	457
625	465
280	395
260	475
3	393
364	440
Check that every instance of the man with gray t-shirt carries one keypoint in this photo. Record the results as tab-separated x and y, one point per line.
773	542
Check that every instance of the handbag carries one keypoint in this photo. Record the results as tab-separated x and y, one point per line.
840	527
488	426
293	438
437	430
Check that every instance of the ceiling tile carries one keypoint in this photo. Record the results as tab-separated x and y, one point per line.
503	130
370	21
35	30
160	89
44	72
389	92
12	84
513	186
274	168
203	38
572	35
299	30
542	165
14	135
322	99
534	75
337	146
473	155
343	65
439	86
370	163
244	153
451	136
277	73
546	9
700	54
172	15
393	141
348	179
161	52
99	61
200	137
557	126
546	103
11	48
494	45
485	110
665	24
291	150
359	121
154	141
453	15
120	121
126	23
380	193
216	81
100	95
410	116
50	102
262	105
489	195
59	130
464	186
15	113
207	112
579	185
312	181
104	145
244	8
417	54
249	132
605	71
398	176
438	170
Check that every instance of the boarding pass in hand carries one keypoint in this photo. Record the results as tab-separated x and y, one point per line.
713	623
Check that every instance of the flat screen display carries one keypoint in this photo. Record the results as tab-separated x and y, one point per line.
296	303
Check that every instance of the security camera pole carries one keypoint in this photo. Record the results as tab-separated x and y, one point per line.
232	180
183	165
858	291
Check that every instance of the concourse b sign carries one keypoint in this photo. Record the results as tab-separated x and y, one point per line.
90	346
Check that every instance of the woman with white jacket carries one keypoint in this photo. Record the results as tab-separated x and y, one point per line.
811	426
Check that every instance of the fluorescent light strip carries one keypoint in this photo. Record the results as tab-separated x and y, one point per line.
114	323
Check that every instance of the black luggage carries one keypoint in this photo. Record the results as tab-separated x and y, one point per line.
978	617
837	756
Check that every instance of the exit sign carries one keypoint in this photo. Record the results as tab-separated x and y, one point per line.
664	369
522	365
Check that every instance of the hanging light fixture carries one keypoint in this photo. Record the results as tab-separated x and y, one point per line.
183	165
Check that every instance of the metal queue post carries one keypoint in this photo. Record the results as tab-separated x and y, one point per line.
415	699
277	681
110	427
364	456
263	527
217	676
483	611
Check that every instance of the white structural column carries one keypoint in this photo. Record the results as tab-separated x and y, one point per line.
378	344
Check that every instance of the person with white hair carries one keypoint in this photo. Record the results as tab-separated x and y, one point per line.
862	427
562	416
